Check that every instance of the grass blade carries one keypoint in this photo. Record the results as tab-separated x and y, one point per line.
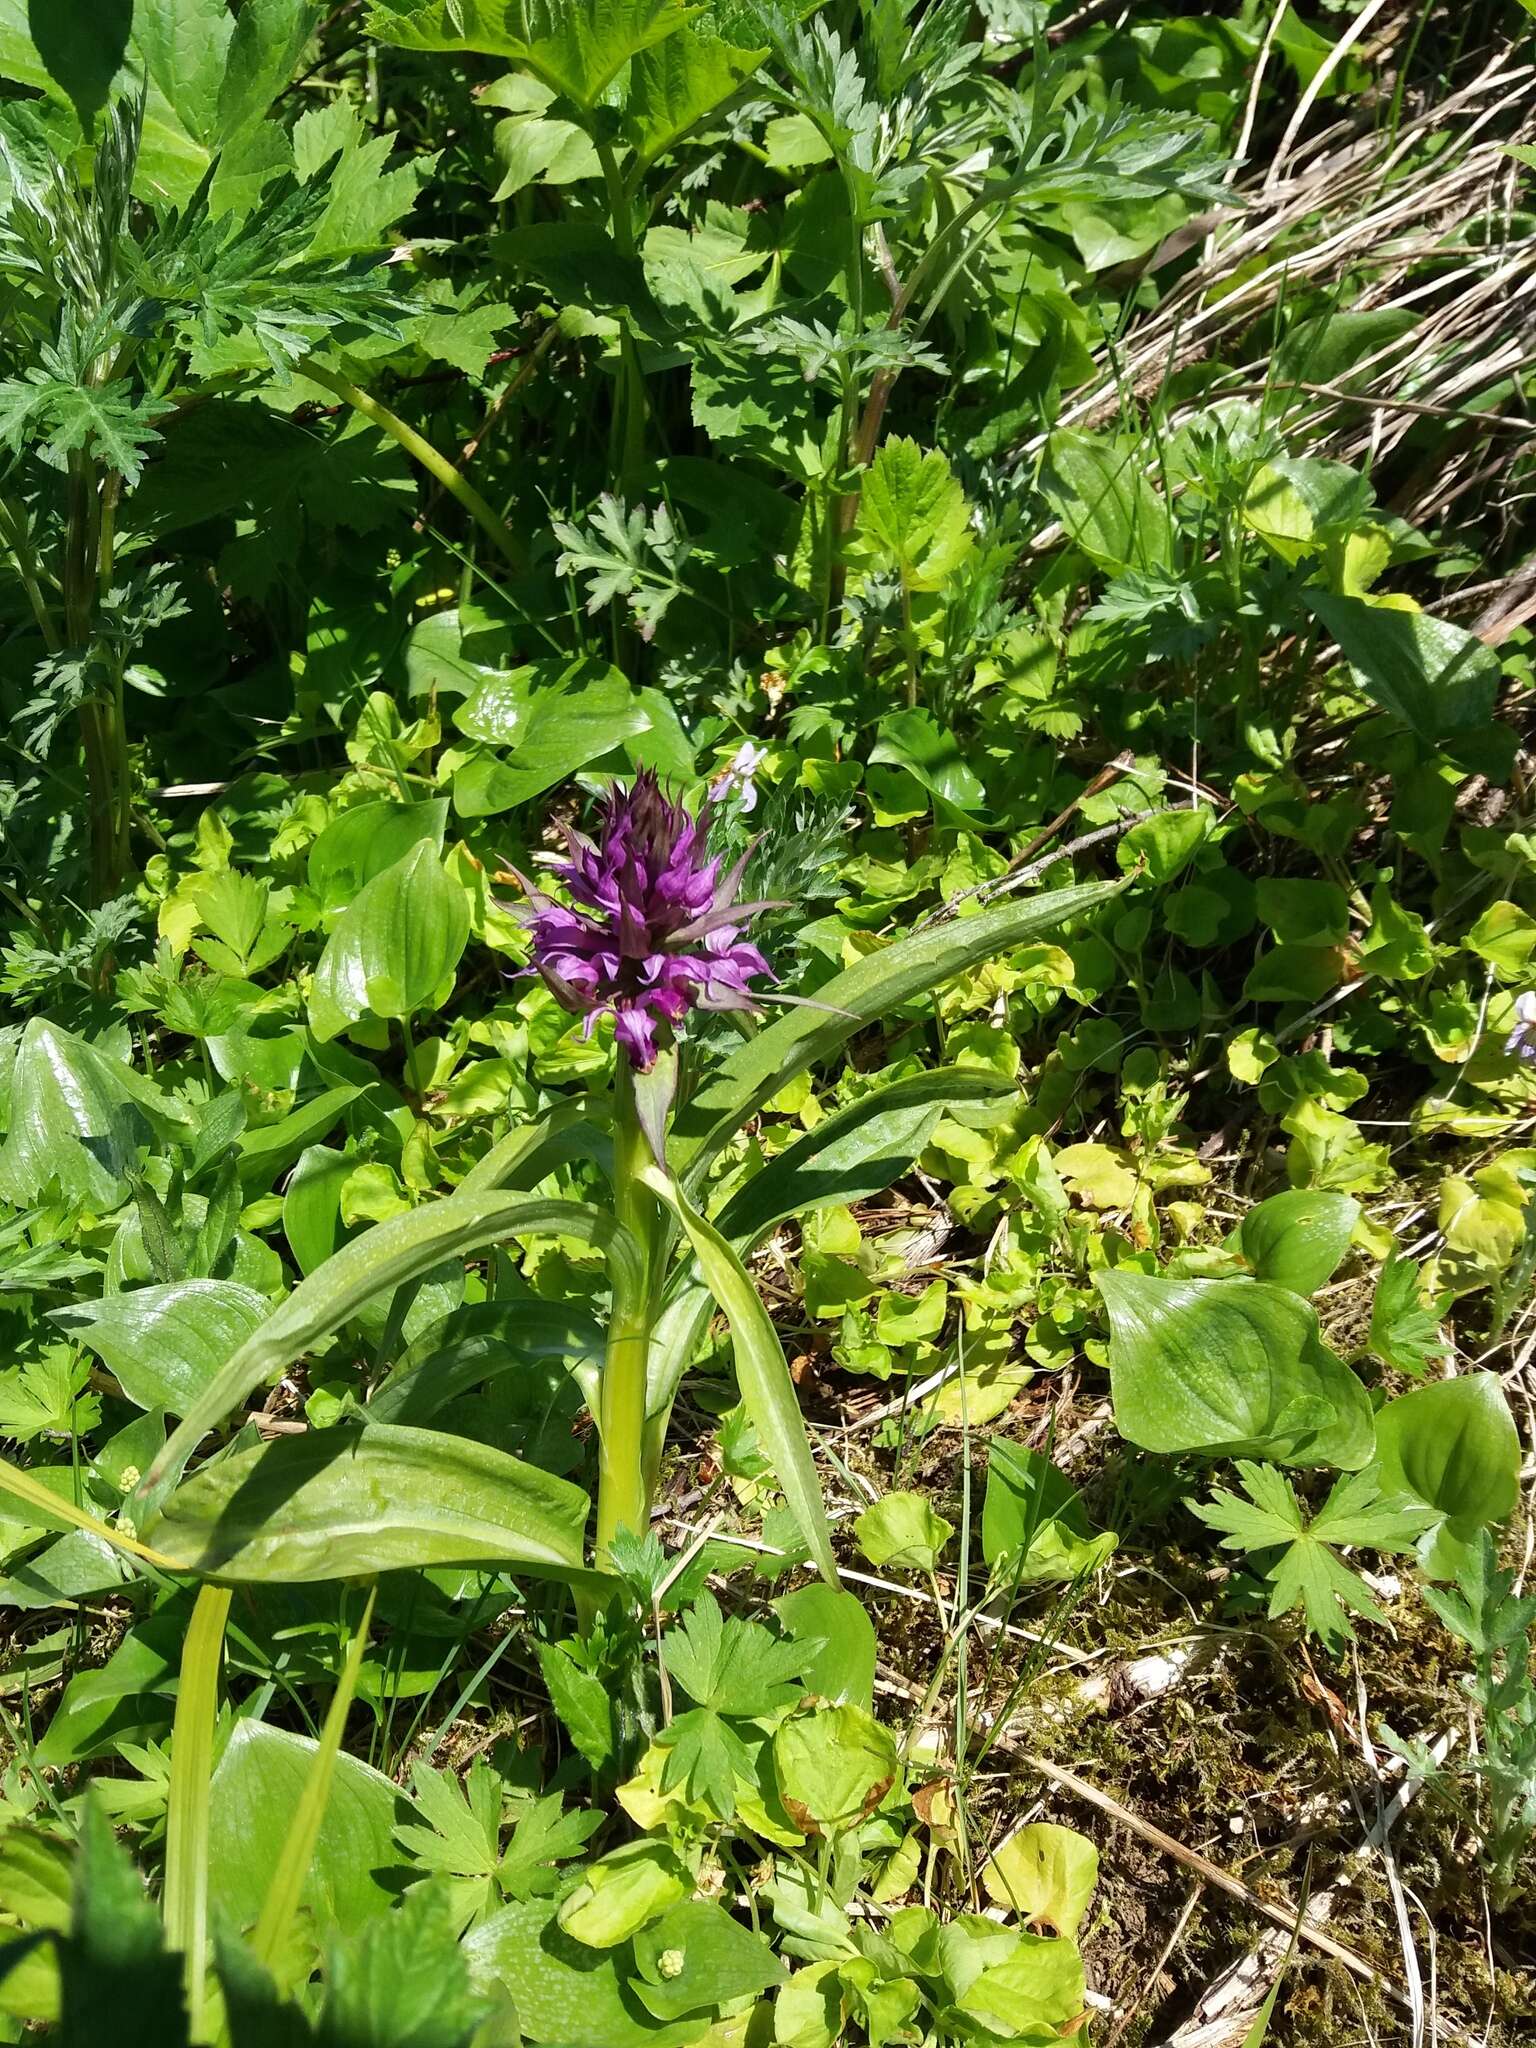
185	1901
281	1905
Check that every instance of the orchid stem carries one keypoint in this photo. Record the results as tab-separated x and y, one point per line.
623	1497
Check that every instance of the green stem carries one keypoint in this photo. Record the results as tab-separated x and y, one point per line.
13	531
629	420
623	1495
421	450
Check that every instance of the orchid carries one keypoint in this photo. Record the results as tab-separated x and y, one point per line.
659	930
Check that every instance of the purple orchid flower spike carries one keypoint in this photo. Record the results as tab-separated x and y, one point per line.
658	930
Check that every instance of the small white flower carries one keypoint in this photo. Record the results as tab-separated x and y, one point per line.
739	776
1522	1039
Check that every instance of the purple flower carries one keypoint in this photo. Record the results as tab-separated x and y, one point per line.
1522	1040
658	930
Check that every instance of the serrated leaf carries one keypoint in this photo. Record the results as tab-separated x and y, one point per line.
1307	1573
913	517
576	47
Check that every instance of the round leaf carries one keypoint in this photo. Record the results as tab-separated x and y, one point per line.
834	1765
1045	1874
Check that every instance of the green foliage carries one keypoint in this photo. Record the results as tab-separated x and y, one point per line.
888	423
1298	1558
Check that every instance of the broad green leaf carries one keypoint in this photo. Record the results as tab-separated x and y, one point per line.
383	1258
564	1992
915	741
1303	911
185	48
394	950
576	47
837	1639
312	1204
722	1961
859	1150
834	1766
79	1119
1505	936
1291	505
345	1503
36	1878
1326	348
354	1871
1165	844
1453	1446
675	83
263	50
82	50
166	1344
767	1390
366	840
565	729
1098	489
1038	1987
1438	679
1045	1874
1230	1367
1297	1239
760	1067
1033	1524
913	519
903	1530
621	1892
268	1150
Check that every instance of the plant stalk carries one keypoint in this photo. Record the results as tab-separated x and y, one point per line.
623	1495
421	450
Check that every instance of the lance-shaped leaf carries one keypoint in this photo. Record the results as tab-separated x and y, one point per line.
877	985
343	1503
386	1257
767	1391
858	1151
481	1341
395	947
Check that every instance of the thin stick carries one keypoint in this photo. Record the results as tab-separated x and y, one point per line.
1318	80
1370	400
1003	885
1282	1914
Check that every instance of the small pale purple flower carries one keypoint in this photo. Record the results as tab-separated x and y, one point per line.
658	930
738	777
1522	1039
